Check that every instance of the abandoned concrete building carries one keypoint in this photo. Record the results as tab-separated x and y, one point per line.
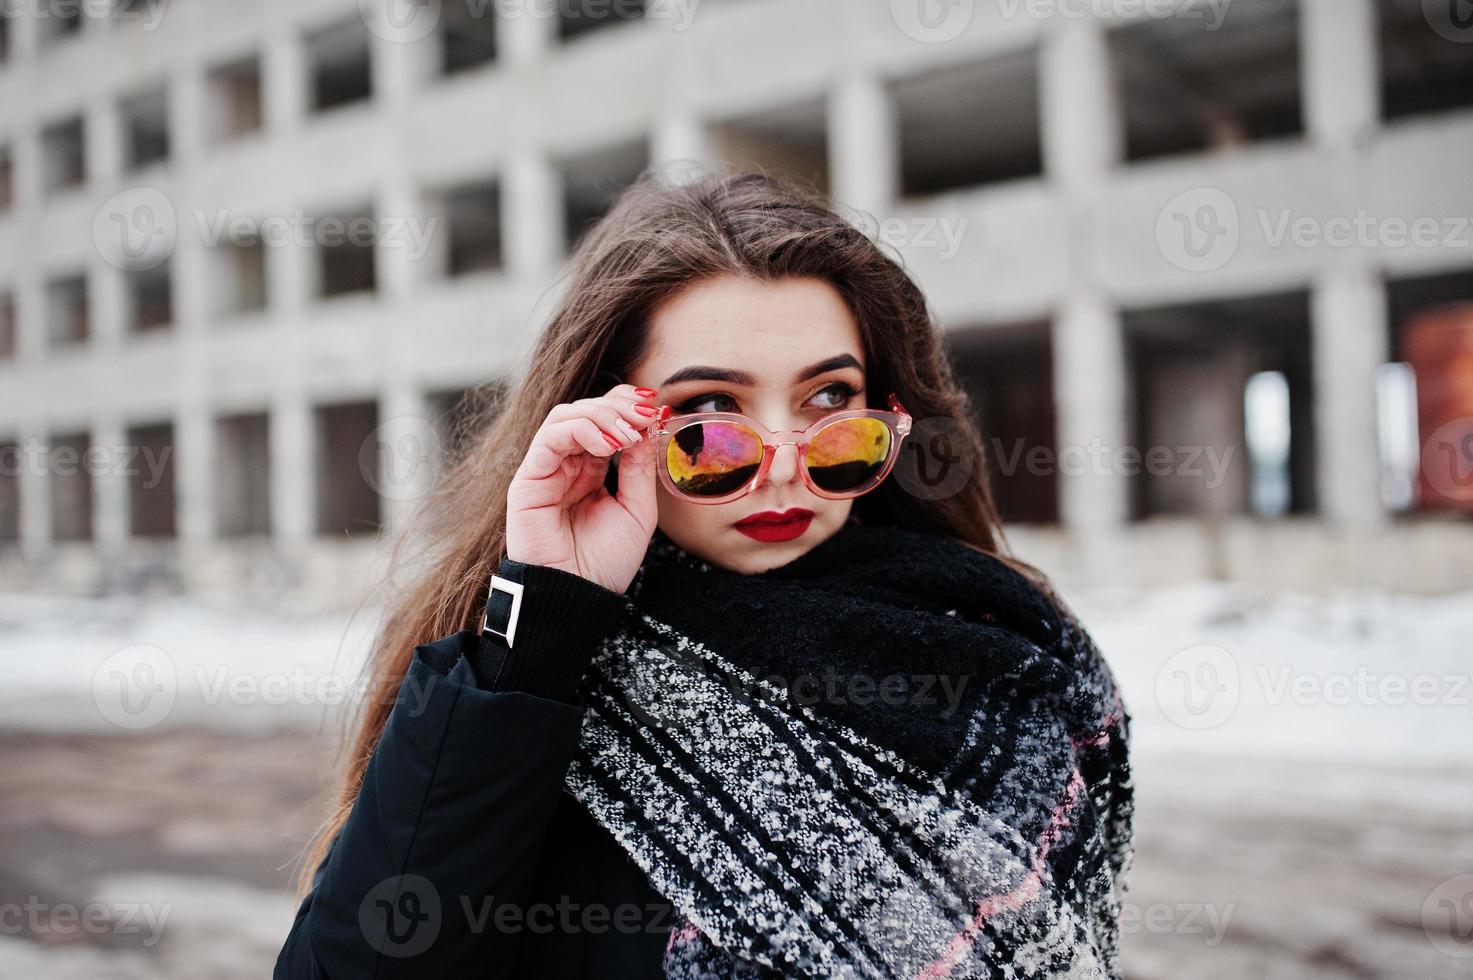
1200	270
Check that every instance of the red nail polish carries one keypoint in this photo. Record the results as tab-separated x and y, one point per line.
645	409
646	392
611	440
664	412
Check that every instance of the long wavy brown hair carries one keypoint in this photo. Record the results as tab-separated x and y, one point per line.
661	235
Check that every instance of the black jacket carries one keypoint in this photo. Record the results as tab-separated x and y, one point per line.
464	856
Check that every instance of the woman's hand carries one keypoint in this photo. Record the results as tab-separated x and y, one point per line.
558	512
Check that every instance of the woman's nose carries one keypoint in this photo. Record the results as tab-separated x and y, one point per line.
784	464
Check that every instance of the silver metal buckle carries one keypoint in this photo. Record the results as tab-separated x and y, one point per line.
515	590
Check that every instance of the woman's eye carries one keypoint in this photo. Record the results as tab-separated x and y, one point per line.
714	402
836	395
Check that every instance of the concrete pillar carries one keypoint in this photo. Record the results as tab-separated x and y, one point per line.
1083	137
35	494
1092	397
30	314
864	145
191	273
102	141
1350	339
1339	70
107	305
1083	126
293	476
398	264
112	462
400	58
526	32
188	123
410	454
680	136
283	77
194	430
532	206
194	466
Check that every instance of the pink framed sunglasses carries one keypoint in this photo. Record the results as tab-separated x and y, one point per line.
716	457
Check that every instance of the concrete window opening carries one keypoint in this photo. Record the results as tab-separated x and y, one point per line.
591	181
969	125
67	320
577	20
63	155
242	475
7	325
233	92
1397	435
344	243
1223	409
1267	431
347	470
145	122
150	298
70	479
471	214
789	141
7	178
1007	372
151	481
1186	87
1425	67
1431	324
10	467
467	35
239	274
339	64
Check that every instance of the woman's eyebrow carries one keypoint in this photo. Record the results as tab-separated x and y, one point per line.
735	377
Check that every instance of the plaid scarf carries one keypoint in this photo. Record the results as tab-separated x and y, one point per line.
890	757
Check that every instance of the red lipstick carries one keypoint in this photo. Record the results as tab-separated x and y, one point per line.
772	525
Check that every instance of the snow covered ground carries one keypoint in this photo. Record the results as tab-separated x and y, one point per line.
1303	775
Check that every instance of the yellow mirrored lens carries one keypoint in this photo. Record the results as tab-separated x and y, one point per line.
712	459
848	454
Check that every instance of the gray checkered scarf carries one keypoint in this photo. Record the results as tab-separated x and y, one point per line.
891	757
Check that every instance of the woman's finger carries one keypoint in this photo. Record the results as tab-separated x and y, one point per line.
555	441
622	400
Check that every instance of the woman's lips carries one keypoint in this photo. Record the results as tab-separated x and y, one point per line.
771	525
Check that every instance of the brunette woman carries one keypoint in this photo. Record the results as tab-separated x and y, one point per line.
698	683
